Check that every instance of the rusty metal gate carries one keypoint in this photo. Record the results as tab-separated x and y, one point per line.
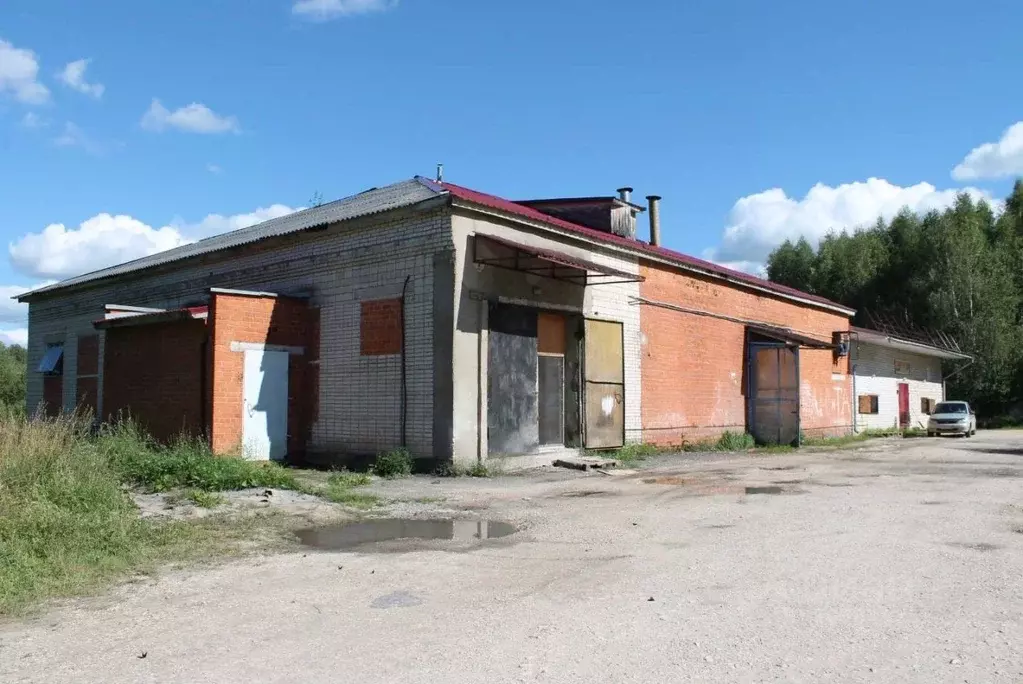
773	399
604	385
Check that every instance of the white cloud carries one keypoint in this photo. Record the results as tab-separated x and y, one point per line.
19	70
994	160
73	136
193	118
73	76
18	336
105	240
213	168
758	223
323	10
33	120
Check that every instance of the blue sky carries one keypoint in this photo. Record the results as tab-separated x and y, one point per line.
129	127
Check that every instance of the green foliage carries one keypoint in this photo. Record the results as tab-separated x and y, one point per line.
204	499
392	464
66	523
959	271
12	377
735	441
635	452
345	478
187	463
346	496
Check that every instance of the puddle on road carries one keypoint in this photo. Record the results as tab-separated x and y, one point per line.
975	546
773	489
336	537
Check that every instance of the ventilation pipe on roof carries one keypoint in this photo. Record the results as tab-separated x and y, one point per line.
655	219
625	194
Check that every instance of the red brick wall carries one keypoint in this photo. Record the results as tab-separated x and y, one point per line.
693	367
154	373
380	327
87	372
260	320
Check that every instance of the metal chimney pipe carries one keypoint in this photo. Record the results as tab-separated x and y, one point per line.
625	194
655	219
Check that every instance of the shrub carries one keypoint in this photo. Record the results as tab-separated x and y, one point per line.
186	463
735	441
392	464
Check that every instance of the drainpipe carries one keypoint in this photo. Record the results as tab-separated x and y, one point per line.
404	373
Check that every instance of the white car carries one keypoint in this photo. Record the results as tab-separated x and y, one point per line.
952	418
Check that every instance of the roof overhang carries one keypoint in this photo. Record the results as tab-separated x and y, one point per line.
125	320
790	337
547	263
879	339
641	250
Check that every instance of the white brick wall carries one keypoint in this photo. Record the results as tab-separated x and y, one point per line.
363	259
875	374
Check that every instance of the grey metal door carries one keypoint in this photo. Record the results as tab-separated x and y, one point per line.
512	410
604	385
773	397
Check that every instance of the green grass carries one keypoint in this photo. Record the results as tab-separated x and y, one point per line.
345	478
392	464
634	452
205	499
185	464
66	523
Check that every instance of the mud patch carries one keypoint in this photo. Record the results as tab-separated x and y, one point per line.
1001	472
974	546
787	482
666	480
785	467
587	493
770	489
339	537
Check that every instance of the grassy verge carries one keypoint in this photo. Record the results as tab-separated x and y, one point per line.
68	523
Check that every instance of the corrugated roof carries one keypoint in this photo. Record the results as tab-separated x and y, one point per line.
375	201
684	260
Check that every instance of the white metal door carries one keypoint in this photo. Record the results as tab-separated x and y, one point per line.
265	405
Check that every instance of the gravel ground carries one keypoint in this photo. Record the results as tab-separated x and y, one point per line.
895	562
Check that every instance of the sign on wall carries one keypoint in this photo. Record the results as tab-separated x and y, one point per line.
901	367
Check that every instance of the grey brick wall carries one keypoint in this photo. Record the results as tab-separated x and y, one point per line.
369	258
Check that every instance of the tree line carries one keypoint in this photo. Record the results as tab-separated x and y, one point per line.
13	360
957	271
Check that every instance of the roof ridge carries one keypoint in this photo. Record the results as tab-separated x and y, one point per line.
679	258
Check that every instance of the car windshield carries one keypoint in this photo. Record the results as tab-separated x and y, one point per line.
950	408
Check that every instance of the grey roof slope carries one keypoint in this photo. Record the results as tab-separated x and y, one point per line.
374	201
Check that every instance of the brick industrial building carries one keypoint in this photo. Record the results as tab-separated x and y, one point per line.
458	324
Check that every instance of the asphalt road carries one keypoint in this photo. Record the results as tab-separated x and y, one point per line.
897	562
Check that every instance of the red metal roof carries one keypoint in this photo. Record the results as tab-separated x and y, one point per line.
684	260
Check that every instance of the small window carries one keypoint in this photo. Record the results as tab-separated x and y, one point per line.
52	362
927	406
868	403
380	327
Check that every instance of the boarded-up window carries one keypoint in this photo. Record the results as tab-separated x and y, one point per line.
927	406
901	367
868	403
550	333
380	327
